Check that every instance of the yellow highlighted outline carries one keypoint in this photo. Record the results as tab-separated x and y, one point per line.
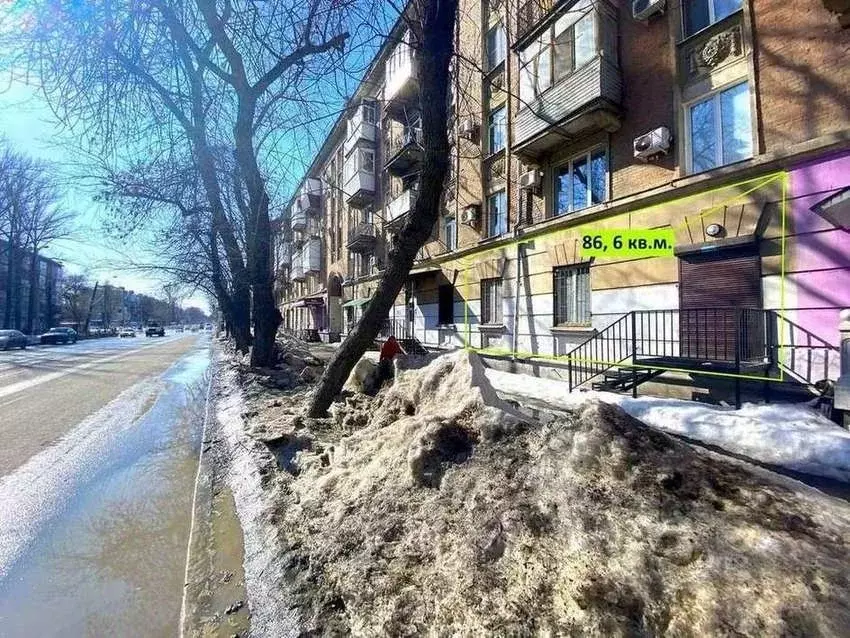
760	181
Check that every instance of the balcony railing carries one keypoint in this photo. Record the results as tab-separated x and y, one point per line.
404	151
360	189
402	204
360	132
362	238
298	220
530	13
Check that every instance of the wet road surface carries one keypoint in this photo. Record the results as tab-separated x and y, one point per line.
96	484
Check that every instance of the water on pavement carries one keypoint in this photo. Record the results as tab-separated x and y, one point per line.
93	531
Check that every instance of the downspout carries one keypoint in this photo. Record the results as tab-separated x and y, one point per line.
515	328
509	117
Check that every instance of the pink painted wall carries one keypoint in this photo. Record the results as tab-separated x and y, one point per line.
819	266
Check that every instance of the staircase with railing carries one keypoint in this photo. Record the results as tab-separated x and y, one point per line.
741	342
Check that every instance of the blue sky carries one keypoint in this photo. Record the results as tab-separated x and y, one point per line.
28	125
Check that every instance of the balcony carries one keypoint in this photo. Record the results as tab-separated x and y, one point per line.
530	14
401	205
404	152
298	219
583	103
311	255
298	273
360	189
401	88
362	238
360	132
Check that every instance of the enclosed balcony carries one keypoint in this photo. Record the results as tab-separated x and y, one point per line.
359	184
362	238
361	128
401	88
404	151
298	219
312	255
401	205
580	92
298	273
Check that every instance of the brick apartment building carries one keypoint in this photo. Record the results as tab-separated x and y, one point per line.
726	121
29	303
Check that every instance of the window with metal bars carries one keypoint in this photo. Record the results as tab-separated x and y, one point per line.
572	295
491	301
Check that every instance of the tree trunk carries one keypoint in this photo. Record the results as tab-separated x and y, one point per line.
33	298
10	284
91	307
266	317
433	23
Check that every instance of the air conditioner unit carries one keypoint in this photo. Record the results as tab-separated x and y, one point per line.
468	129
656	142
529	180
470	214
645	9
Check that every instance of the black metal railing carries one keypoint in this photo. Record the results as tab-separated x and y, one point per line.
361	235
732	339
409	137
803	354
397	328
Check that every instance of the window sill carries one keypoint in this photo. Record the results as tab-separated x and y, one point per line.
446	326
491	327
578	330
492	239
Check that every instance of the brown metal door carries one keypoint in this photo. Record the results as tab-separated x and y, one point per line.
715	291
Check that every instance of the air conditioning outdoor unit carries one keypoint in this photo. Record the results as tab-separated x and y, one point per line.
468	129
645	9
470	214
656	142
529	180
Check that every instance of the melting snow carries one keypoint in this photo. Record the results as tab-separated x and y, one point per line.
788	435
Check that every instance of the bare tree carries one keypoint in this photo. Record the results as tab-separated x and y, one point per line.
432	24
76	297
138	79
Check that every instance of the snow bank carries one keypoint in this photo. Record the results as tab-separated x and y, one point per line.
788	435
444	512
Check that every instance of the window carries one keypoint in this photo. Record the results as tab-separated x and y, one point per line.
368	109
572	295
450	233
581	182
497	214
496	46
720	129
446	305
701	13
496	130
567	45
491	301
367	160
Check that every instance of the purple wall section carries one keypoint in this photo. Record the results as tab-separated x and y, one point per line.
819	263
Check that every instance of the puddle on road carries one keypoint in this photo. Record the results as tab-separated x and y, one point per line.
112	561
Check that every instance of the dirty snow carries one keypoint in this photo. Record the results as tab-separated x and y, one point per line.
788	435
436	509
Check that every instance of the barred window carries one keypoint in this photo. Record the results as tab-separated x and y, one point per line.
572	295
491	301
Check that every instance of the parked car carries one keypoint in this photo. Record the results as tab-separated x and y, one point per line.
59	335
154	330
12	339
127	332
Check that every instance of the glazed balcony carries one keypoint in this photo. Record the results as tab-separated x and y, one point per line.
401	205
362	238
401	87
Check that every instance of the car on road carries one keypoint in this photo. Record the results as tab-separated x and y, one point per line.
127	332
12	339
154	329
59	335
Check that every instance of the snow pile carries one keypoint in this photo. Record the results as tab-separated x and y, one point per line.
788	435
447	513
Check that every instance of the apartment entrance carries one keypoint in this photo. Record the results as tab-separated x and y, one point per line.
719	298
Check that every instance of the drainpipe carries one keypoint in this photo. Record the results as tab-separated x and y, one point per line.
520	250
841	400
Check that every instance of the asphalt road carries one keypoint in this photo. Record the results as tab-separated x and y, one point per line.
47	390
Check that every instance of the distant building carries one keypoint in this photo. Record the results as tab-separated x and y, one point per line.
29	303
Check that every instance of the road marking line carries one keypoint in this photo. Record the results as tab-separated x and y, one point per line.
3	405
52	376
